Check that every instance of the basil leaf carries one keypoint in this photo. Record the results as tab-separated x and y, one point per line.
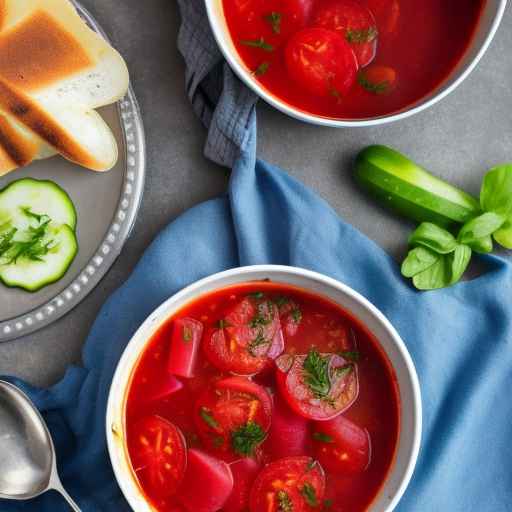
504	235
458	262
447	270
479	227
418	260
433	237
482	245
496	191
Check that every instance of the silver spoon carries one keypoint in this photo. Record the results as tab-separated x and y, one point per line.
27	462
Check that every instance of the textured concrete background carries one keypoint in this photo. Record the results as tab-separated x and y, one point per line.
458	139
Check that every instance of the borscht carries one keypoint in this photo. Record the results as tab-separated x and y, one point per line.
351	59
262	397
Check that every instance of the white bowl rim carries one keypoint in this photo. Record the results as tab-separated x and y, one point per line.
130	488
296	113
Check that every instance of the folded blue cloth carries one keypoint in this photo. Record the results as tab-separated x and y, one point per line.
460	338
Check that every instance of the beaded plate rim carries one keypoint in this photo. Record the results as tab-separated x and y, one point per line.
118	231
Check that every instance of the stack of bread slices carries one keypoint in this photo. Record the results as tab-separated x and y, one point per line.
54	73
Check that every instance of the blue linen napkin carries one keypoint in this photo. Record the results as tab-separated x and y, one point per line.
460	338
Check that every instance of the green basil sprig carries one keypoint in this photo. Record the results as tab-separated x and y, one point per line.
438	259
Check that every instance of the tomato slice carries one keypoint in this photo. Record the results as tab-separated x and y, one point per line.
233	417
208	483
317	386
185	342
274	21
158	455
289	433
321	62
377	79
341	446
244	472
294	483
248	338
354	22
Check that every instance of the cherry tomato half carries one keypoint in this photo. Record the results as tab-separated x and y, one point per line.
293	483
377	79
233	417
317	386
341	446
248	338
354	22
158	455
321	62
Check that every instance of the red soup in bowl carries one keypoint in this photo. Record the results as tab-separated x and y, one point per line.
262	397
351	59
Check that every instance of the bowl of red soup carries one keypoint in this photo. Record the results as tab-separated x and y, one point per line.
265	389
353	62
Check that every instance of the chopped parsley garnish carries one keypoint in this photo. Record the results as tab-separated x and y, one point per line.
281	301
308	491
33	243
263	315
323	438
274	18
375	87
257	342
296	315
350	355
284	503
186	334
341	371
245	439
316	373
261	69
258	43
328	503
361	36
208	418
256	295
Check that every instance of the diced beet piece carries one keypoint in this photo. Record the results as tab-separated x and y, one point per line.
208	483
244	473
185	344
289	432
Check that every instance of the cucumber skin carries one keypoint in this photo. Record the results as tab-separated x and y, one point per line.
50	184
403	197
35	288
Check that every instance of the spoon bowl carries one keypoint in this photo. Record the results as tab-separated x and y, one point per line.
28	465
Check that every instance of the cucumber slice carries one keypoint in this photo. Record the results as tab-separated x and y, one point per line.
410	190
41	197
33	274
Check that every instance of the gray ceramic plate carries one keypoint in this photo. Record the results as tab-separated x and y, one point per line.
107	204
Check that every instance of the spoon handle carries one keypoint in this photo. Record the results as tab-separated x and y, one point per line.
70	501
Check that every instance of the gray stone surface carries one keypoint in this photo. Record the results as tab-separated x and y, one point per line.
459	139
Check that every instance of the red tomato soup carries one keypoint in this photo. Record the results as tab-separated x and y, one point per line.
351	59
262	397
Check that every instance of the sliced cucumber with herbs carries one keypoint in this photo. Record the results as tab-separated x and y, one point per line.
410	190
37	238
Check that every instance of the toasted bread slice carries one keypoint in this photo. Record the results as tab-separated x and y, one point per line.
54	71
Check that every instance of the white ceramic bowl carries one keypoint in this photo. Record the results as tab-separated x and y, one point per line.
489	22
348	299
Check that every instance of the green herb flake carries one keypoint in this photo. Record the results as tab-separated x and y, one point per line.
341	371
207	417
256	295
258	43
323	438
328	503
186	334
316	373
350	355
366	35
284	503
245	439
281	301
308	491
261	69
275	18
374	87
257	342
296	315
